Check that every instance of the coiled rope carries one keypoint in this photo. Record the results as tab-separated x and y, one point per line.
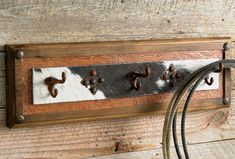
170	117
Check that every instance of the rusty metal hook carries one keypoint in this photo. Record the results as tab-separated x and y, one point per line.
51	82
209	82
134	78
220	69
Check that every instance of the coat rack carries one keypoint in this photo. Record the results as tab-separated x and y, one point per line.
53	83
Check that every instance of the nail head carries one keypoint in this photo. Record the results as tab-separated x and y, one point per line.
93	90
226	46
19	54
20	119
101	80
93	81
93	73
177	75
171	76
86	82
171	68
226	100
165	77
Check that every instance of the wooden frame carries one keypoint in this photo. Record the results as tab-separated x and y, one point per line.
14	81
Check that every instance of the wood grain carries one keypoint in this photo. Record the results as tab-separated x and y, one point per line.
27	21
50	21
87	139
29	63
119	47
214	150
2	80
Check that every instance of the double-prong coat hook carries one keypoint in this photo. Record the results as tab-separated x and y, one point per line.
52	81
134	78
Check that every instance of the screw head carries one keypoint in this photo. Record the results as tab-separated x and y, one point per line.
165	77
171	68
171	76
85	82
226	46
93	81
20	119
101	80
19	54
93	90
226	100
177	75
93	73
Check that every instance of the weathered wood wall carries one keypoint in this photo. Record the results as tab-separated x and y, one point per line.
211	134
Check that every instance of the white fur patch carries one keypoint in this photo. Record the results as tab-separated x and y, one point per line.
70	91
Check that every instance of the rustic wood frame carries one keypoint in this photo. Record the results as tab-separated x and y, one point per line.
14	81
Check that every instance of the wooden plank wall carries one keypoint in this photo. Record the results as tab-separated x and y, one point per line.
211	134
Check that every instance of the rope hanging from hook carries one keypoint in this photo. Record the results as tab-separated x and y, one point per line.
171	115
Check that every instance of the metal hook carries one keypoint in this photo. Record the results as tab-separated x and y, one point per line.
209	82
220	69
51	82
134	78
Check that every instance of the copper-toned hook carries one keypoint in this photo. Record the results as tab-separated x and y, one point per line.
134	78
209	82
51	82
220	69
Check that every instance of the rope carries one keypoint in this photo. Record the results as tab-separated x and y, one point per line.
173	106
183	138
